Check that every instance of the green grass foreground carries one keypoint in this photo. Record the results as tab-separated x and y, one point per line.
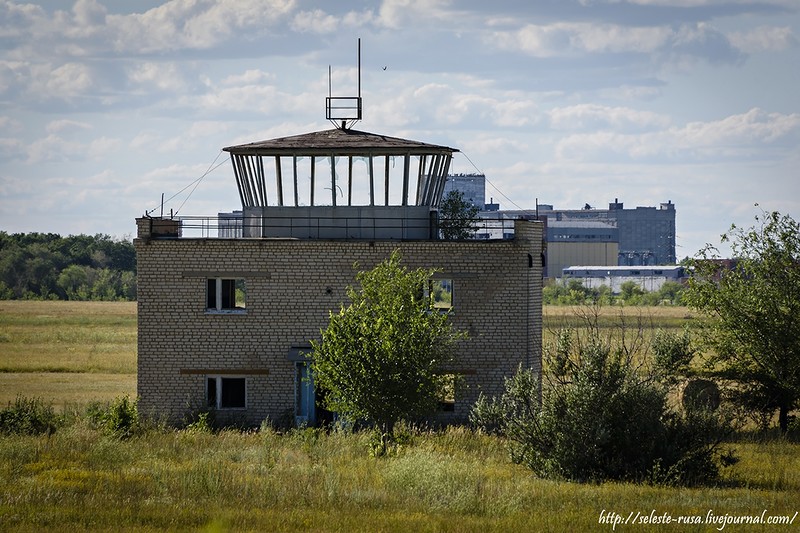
309	480
79	478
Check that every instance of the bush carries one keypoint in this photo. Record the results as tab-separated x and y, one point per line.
597	418
28	416
673	354
120	419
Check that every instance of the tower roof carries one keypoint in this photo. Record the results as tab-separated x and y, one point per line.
340	142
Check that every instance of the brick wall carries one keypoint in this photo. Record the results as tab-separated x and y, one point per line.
291	287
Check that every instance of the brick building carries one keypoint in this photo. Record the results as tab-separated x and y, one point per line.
225	320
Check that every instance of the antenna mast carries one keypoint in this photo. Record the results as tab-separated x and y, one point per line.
344	111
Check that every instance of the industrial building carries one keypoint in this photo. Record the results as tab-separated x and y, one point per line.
648	278
643	236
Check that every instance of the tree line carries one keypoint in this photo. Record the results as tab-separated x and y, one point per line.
47	266
573	292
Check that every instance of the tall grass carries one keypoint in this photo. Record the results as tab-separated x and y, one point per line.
302	480
82	478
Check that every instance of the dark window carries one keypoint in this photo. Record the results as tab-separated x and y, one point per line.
211	292
211	392
226	393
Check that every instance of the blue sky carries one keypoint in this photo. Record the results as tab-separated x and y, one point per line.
103	108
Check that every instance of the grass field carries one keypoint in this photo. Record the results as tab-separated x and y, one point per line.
78	352
307	480
67	352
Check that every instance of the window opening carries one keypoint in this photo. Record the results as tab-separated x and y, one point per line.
447	402
226	392
441	292
224	294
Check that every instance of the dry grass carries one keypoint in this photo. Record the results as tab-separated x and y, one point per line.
80	479
67	352
66	388
307	480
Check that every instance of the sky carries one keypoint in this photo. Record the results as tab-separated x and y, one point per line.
107	105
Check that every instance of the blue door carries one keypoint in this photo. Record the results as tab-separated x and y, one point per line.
305	399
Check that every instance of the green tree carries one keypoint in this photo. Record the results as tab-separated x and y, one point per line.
45	265
754	305
671	292
457	217
599	415
74	281
382	357
630	292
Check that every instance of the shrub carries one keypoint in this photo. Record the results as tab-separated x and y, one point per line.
597	418
673	354
28	416
120	419
203	424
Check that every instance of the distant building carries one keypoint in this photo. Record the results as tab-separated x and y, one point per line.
607	237
648	278
580	242
472	186
646	234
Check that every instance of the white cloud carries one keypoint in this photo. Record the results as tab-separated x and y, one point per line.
488	145
60	125
764	39
398	14
249	77
201	24
101	147
563	39
577	39
320	22
145	140
595	116
316	21
9	124
175	25
737	136
161	76
17	20
68	80
54	148
10	148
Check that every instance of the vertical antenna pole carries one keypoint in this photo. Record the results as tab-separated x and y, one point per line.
330	91
359	67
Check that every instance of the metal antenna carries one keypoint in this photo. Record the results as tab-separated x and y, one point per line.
341	110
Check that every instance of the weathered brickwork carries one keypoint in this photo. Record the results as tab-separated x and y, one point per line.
291	286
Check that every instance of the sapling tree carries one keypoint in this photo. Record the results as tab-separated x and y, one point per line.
753	303
457	217
381	358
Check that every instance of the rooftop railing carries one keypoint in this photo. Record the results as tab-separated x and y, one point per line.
231	226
